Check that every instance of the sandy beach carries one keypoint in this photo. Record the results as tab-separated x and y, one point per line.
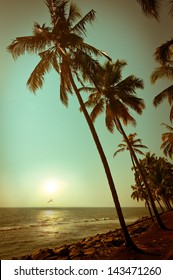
155	243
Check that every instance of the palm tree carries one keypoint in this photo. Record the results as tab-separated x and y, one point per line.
167	141
115	95
136	145
62	47
161	178
139	193
159	173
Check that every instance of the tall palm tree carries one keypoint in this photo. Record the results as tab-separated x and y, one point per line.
62	47
167	141
116	96
136	145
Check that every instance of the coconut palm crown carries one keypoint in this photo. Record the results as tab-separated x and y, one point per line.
115	95
167	141
59	46
136	144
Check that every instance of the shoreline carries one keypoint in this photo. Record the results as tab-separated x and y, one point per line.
155	243
90	247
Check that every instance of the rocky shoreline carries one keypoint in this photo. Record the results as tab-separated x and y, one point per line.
100	246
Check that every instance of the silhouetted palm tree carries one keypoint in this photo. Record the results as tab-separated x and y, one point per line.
136	144
116	96
62	47
167	141
159	173
140	194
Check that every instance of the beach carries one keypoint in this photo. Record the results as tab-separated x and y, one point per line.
155	244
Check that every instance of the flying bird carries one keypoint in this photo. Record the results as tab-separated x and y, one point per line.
50	200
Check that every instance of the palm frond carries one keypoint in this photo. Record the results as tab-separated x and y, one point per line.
120	111
171	114
36	78
74	13
150	8
87	66
109	120
98	109
164	53
171	7
167	136
167	93
30	44
79	27
170	128
90	50
138	151
87	89
130	84
65	85
162	71
139	146
133	102
118	151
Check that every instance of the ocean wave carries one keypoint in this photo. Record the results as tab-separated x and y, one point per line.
11	228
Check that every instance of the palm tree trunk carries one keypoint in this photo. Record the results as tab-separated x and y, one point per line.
128	240
160	223
140	185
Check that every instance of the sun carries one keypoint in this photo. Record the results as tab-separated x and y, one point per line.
51	186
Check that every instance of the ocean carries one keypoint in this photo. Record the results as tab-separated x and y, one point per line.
24	230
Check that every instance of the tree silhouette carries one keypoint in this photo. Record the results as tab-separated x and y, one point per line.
62	48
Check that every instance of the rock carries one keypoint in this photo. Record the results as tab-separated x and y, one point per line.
42	254
75	251
89	251
61	251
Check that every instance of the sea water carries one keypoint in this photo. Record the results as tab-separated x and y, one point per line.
24	230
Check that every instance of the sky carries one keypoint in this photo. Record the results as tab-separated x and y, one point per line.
47	154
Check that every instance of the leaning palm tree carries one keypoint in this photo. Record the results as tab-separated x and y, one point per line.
62	48
167	141
136	145
115	96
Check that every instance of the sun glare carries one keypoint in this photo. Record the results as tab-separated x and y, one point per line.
51	186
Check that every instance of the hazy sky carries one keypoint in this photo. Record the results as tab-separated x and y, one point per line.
44	146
